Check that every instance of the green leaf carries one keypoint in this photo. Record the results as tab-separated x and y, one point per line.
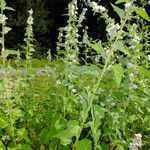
26	147
22	134
84	144
98	48
9	8
104	146
119	11
120	46
2	147
3	123
120	1
91	70
118	72
141	12
8	52
73	129
17	113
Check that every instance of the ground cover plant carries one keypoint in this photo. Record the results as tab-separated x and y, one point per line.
103	105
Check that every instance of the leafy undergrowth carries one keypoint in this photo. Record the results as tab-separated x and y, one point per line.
102	105
36	63
51	111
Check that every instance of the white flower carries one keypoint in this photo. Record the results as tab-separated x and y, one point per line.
133	86
74	90
30	11
130	65
30	20
139	57
102	9
6	30
112	28
131	76
58	82
98	7
149	57
136	142
3	18
117	26
148	2
136	38
127	5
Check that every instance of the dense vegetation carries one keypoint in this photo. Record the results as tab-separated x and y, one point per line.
49	16
102	103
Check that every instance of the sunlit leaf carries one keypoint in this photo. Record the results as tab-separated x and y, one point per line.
3	122
120	46
99	49
119	11
23	134
118	72
120	1
8	8
2	147
141	12
84	144
73	129
26	147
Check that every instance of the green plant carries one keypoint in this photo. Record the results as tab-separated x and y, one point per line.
104	105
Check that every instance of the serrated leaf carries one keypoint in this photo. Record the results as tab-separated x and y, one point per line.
73	129
119	11
120	1
141	12
118	72
120	46
98	48
84	144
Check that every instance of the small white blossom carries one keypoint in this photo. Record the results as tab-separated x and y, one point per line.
3	18
136	38
98	7
139	57
6	30
148	2
74	90
133	86
58	82
117	26
30	11
136	142
30	20
131	76
127	5
112	28
149	57
130	65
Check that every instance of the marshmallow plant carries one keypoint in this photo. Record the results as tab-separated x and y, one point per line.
110	105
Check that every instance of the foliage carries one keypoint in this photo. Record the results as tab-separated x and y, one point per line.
103	105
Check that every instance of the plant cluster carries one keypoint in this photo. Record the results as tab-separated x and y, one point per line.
103	105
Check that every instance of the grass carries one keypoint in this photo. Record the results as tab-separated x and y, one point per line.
36	63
